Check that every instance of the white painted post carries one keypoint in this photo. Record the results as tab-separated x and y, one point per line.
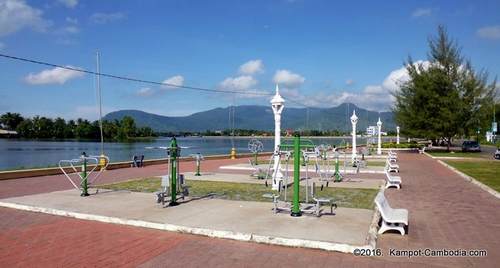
277	103
354	121
379	148
397	137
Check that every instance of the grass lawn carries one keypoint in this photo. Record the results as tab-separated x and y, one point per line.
487	172
456	154
375	163
344	197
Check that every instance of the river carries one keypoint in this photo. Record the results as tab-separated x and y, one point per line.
21	154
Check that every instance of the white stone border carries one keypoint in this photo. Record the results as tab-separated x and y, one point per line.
472	180
246	237
467	177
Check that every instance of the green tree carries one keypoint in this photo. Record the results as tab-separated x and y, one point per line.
42	127
25	129
69	130
83	129
444	98
10	121
127	127
59	128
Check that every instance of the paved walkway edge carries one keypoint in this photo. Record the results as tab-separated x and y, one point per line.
246	237
472	180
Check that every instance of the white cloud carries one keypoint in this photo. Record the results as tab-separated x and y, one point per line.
16	15
288	79
240	83
52	76
69	3
252	67
173	81
71	29
177	80
372	97
145	92
103	18
71	20
421	12
349	82
489	32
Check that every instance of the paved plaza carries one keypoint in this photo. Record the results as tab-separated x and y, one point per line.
445	211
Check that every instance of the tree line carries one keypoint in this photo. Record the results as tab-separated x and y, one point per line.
40	127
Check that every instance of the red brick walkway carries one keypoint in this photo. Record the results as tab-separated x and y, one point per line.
445	212
44	184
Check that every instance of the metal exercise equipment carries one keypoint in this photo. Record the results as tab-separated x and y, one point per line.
198	157
173	185
86	162
295	208
324	168
255	146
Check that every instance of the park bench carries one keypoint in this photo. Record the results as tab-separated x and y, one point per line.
393	157
392	219
391	167
392	181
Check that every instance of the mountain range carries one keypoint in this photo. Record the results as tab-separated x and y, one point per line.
261	118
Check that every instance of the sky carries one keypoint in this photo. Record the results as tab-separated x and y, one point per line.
321	53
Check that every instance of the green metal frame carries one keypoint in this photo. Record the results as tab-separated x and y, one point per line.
174	153
84	183
296	176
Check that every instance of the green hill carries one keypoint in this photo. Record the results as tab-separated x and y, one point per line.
260	118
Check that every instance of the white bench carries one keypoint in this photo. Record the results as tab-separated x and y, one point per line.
392	219
393	157
391	167
392	181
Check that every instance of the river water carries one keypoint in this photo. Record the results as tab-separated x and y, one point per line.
18	154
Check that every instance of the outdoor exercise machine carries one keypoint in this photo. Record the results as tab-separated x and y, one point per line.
84	174
173	184
295	208
255	146
198	157
323	167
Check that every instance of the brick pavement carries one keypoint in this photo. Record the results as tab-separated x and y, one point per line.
44	184
445	211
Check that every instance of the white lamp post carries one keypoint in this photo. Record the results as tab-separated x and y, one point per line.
277	103
354	121
397	137
379	147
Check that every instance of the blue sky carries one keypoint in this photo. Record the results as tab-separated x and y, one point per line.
322	53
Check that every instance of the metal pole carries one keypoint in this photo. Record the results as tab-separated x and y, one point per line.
198	162
296	176
84	176
100	101
337	172
173	172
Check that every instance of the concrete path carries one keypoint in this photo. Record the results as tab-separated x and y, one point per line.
445	212
215	216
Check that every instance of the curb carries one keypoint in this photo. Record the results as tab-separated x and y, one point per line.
245	237
472	180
